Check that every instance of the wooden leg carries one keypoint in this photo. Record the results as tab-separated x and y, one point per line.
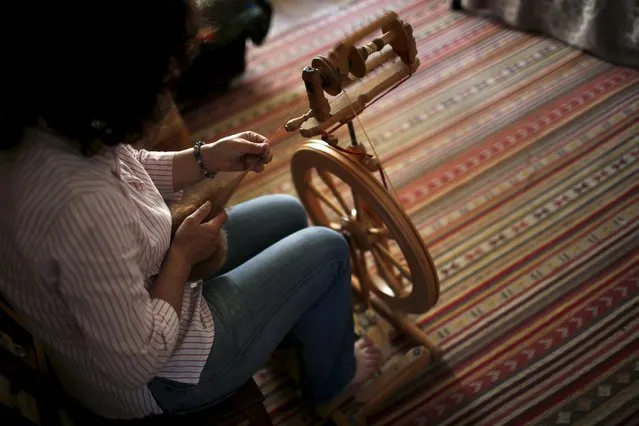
456	4
403	370
400	323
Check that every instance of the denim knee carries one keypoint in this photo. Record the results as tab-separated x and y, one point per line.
328	244
289	207
294	210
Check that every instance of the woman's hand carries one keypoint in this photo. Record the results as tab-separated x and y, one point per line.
196	240
246	151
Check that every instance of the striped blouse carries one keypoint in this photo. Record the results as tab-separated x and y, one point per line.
81	241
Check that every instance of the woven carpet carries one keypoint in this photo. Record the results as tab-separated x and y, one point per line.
517	158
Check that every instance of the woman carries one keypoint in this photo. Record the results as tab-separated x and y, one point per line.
88	259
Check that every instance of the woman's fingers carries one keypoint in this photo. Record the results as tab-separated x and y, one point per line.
256	162
200	214
216	223
253	137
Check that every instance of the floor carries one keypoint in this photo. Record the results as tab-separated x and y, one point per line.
514	157
288	13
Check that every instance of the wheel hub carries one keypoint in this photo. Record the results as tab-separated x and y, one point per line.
359	234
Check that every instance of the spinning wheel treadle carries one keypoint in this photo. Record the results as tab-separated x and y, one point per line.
373	222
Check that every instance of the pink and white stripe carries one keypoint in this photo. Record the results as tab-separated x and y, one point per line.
82	239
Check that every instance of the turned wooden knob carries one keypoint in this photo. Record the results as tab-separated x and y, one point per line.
294	124
371	163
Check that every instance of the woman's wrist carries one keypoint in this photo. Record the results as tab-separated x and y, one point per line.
169	285
177	261
197	154
186	170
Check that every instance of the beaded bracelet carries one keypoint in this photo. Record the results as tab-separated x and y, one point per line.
198	158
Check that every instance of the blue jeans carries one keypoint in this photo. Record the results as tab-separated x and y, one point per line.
283	282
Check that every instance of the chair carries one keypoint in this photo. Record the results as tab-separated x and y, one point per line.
242	407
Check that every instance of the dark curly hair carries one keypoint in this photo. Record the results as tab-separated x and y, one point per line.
92	71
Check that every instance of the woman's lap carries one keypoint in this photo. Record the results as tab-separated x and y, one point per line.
279	280
258	223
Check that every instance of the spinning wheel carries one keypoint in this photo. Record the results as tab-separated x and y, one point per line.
392	268
389	257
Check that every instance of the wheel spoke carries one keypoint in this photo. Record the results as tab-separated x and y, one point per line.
381	232
389	257
357	205
335	226
384	244
360	268
364	267
393	282
326	201
328	180
362	215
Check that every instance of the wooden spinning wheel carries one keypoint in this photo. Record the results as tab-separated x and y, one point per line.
372	221
392	268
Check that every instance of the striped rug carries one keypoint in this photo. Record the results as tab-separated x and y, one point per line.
517	158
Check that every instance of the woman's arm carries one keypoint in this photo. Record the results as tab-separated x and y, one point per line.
170	171
174	171
186	171
169	284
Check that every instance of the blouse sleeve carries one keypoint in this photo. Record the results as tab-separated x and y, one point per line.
159	166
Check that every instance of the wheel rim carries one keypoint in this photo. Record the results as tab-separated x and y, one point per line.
388	255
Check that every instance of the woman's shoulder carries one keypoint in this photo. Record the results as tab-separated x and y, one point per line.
45	175
44	161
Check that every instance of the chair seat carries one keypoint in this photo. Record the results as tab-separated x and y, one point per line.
244	406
